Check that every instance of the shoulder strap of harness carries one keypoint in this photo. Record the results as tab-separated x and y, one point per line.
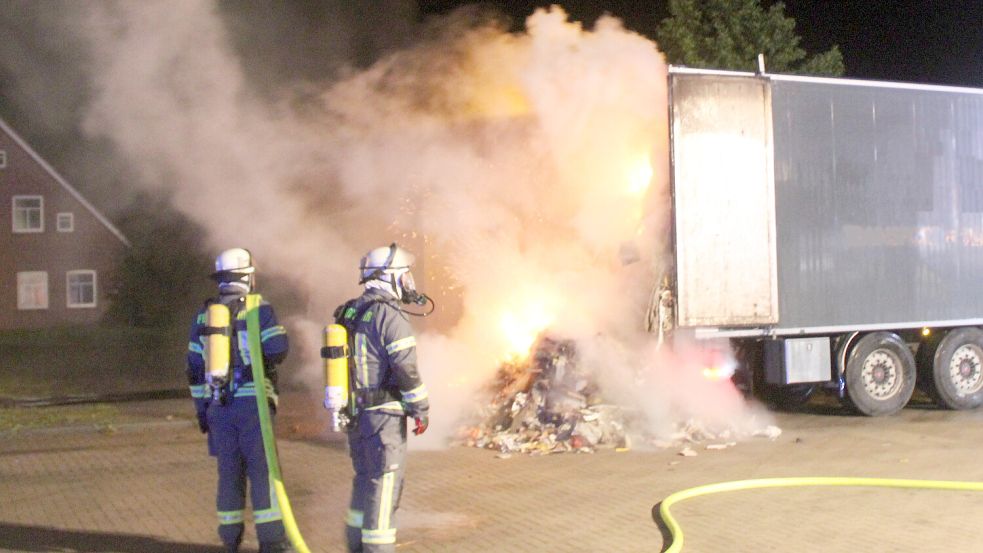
339	312
348	316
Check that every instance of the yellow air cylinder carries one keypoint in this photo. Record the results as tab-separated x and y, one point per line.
335	354
217	347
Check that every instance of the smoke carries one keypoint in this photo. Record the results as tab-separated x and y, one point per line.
527	170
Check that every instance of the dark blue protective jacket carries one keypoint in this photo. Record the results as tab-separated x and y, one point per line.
384	372
272	335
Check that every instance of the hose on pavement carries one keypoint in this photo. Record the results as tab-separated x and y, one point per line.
676	532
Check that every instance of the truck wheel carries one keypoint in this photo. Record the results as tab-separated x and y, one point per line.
957	378
880	374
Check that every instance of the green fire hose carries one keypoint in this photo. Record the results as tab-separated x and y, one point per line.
677	532
269	442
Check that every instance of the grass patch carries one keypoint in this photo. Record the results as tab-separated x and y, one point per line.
21	418
90	360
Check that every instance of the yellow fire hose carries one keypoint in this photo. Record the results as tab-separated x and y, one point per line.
677	532
269	443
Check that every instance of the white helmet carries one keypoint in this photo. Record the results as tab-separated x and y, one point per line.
234	268
391	265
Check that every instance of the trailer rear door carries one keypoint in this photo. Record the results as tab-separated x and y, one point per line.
723	200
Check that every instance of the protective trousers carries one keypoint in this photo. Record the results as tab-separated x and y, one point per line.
235	439
377	445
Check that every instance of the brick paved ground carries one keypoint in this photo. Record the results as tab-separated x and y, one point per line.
149	488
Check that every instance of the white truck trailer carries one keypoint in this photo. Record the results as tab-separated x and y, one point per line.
832	231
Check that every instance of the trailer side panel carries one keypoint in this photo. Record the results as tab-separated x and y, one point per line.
879	204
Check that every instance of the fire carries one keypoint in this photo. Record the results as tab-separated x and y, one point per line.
639	176
718	365
520	328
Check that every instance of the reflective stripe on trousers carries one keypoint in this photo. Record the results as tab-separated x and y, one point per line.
237	443
378	449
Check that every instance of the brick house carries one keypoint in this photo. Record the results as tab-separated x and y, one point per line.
58	254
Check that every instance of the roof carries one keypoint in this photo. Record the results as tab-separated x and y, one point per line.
64	183
680	69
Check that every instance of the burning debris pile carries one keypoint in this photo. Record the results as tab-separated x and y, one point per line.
548	404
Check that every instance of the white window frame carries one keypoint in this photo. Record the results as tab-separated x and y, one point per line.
65	216
68	289
13	214
22	304
3	159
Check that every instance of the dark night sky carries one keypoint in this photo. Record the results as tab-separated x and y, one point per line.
925	41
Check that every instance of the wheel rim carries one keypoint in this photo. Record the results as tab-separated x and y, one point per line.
964	369
881	374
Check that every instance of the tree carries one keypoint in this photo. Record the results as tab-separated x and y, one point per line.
729	34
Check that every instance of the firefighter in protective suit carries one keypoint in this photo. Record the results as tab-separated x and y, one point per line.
386	389
227	410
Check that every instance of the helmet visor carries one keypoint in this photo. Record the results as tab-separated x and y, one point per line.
406	282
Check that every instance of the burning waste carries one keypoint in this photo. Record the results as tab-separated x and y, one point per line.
550	402
546	404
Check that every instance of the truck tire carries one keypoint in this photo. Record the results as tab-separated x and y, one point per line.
957	369
880	374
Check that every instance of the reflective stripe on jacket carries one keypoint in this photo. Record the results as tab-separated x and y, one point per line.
273	337
384	352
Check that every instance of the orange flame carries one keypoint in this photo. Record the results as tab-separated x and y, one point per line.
521	328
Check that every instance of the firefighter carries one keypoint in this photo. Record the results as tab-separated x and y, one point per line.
225	401
386	390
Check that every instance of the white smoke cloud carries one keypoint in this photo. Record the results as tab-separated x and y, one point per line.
519	167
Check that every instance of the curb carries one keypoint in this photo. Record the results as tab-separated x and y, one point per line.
6	401
96	428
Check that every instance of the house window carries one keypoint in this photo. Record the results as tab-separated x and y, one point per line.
32	290
28	213
3	159
65	222
81	288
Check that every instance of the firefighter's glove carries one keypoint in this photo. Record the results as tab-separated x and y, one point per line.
203	421
271	395
422	422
